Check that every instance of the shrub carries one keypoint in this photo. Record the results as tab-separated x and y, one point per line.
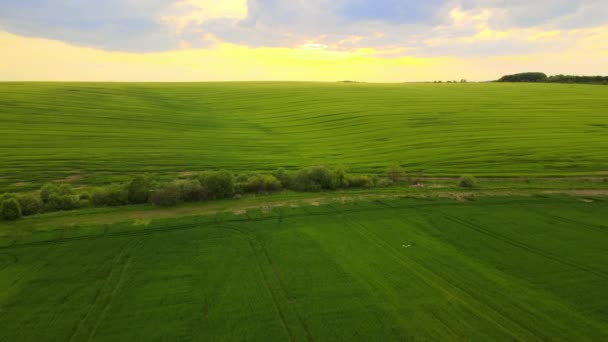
467	181
284	177
191	190
111	196
314	179
138	190
360	181
7	196
321	176
168	195
58	202
340	178
395	173
49	190
262	183
383	182
217	184
10	210
30	204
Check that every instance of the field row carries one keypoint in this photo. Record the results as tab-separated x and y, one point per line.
404	269
92	133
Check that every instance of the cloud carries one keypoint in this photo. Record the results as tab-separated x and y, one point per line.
117	25
109	24
230	62
391	28
469	27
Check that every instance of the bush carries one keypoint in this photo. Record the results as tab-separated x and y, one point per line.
467	181
382	182
191	190
10	210
360	181
284	177
111	196
30	204
395	173
49	190
139	189
262	183
7	196
217	184
314	179
168	195
58	202
340	178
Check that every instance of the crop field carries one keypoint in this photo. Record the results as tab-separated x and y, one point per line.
505	268
100	132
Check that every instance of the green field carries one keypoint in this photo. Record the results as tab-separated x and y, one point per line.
95	133
495	269
521	256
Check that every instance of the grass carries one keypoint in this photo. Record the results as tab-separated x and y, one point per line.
512	259
502	268
91	133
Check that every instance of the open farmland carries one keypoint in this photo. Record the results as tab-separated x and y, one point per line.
495	269
97	133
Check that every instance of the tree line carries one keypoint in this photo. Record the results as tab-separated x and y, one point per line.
205	186
541	77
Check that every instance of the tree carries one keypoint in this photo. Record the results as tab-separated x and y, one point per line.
467	181
525	77
10	210
138	189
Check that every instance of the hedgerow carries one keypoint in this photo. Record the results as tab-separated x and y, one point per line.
208	185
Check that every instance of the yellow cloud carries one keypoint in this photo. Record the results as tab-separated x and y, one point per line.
42	59
194	12
48	60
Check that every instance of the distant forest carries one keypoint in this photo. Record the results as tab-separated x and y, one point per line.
541	77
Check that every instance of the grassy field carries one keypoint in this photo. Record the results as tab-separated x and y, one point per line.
501	268
521	256
95	133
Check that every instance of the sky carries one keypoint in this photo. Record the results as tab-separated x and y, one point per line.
303	40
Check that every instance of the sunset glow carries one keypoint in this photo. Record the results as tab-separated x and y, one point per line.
385	41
